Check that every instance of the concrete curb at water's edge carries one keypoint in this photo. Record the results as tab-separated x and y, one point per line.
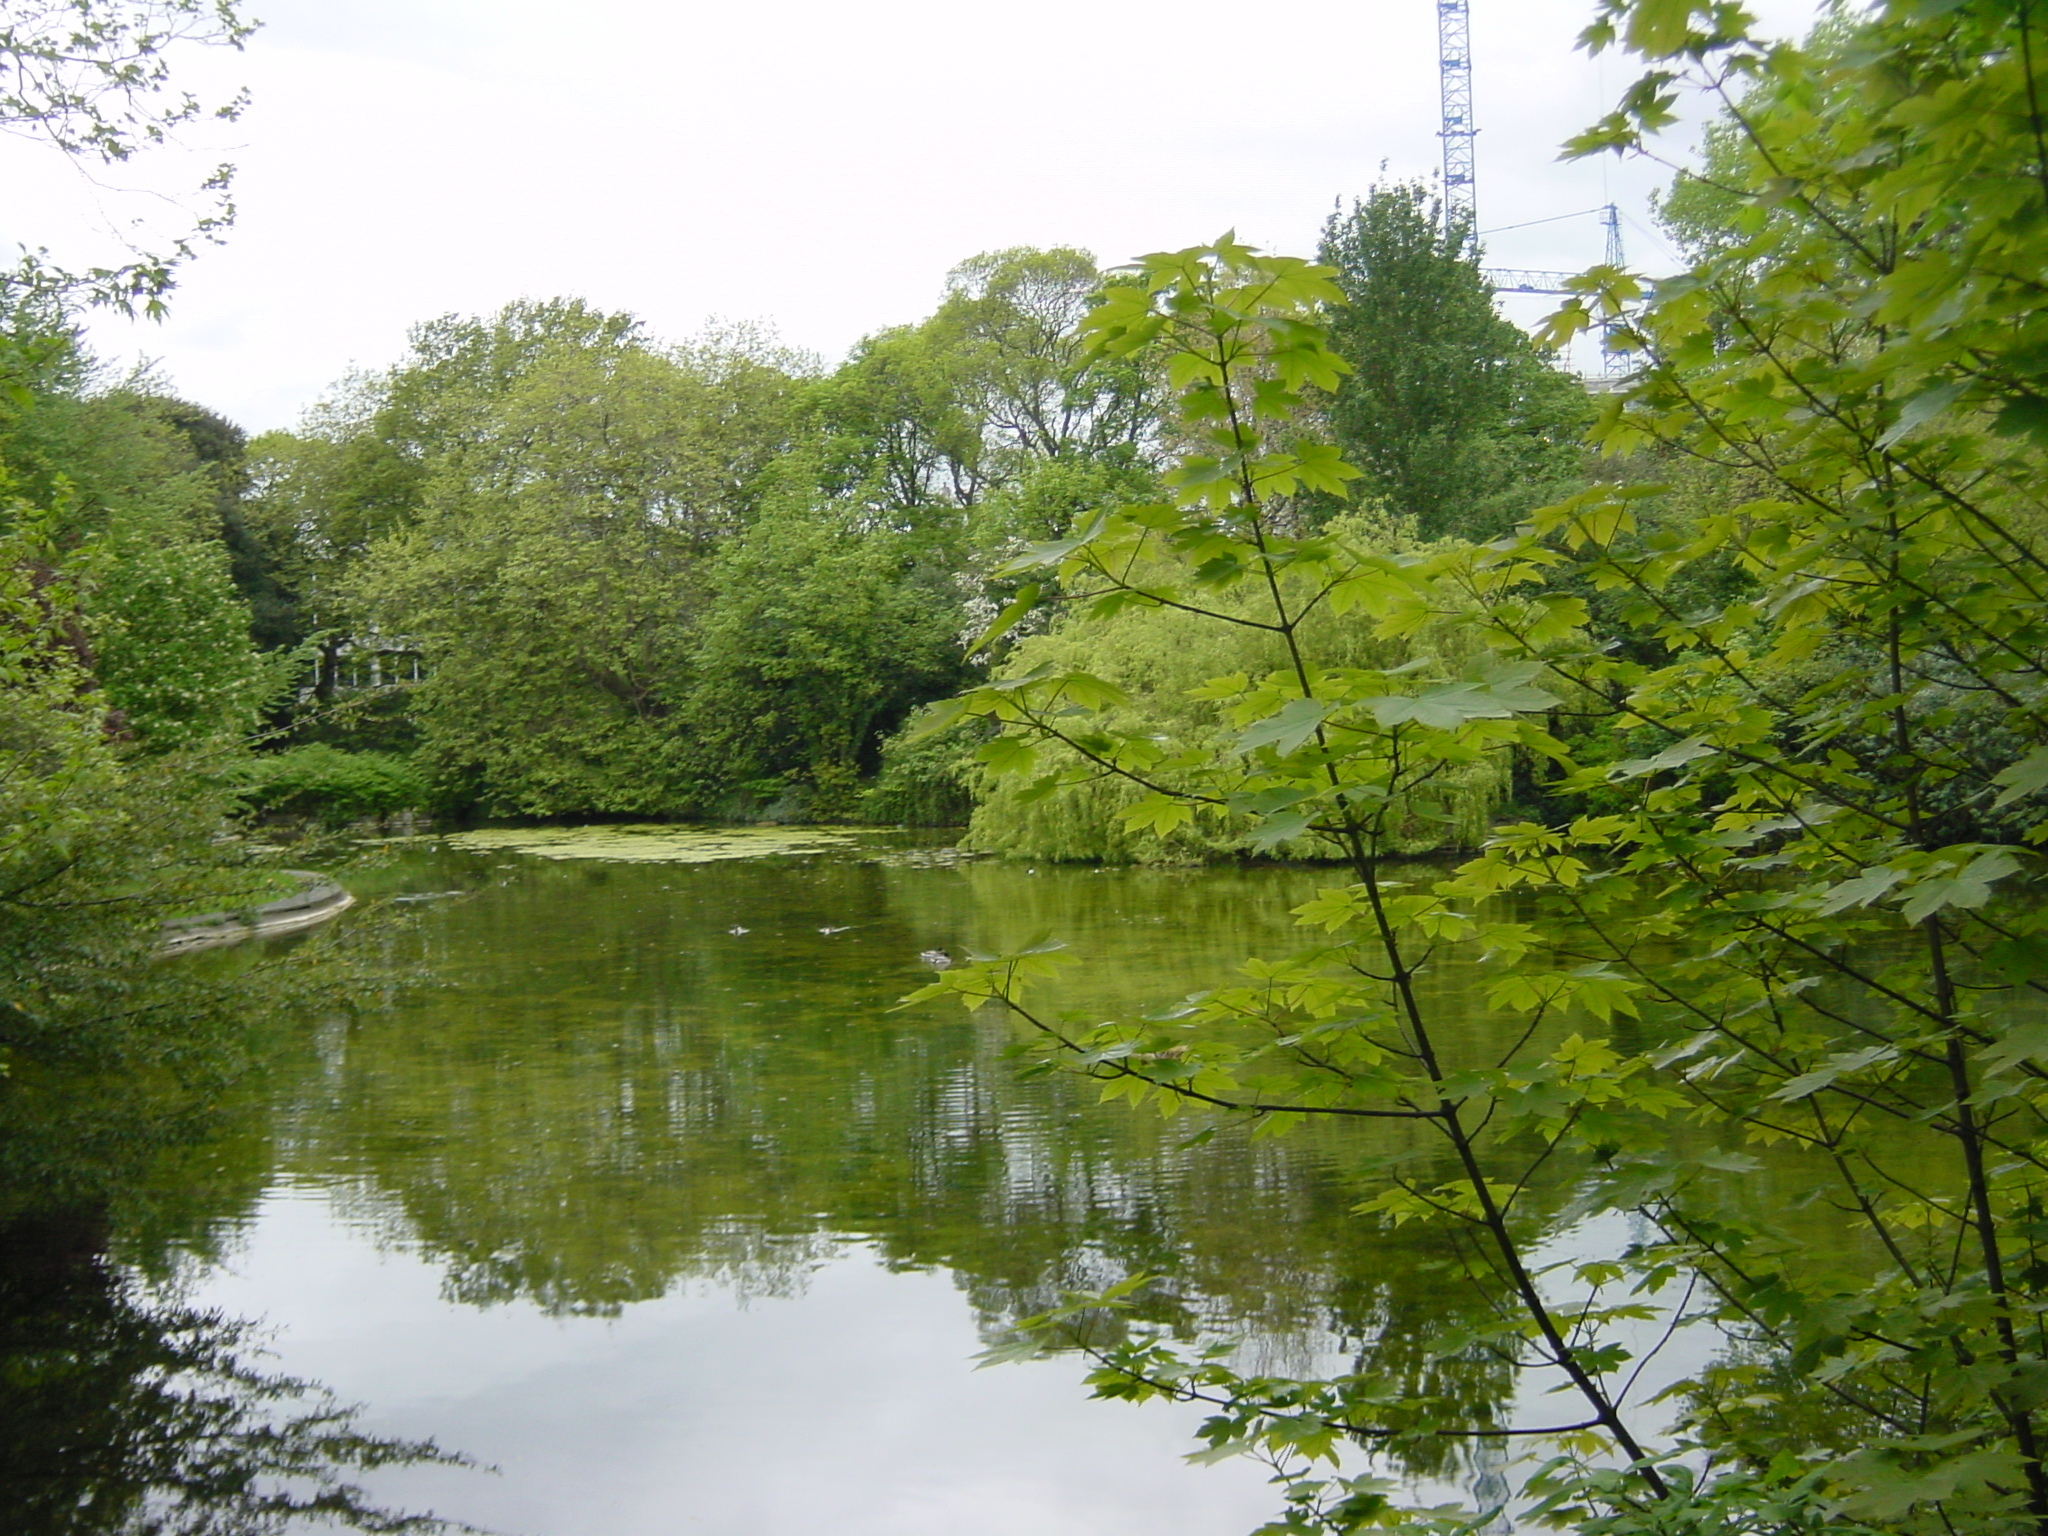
314	902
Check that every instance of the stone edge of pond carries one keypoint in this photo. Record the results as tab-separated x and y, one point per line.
314	902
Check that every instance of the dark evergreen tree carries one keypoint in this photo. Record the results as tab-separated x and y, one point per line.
220	451
1455	417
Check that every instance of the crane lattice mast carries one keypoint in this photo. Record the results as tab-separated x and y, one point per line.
1461	181
1454	60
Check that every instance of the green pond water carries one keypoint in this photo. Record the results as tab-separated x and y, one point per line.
641	1195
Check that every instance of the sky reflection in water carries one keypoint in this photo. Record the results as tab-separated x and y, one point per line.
849	1406
683	1229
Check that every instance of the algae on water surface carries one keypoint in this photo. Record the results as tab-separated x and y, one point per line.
654	842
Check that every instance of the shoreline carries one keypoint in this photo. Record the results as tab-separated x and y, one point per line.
317	901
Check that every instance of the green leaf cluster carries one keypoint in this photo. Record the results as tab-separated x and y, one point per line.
1785	915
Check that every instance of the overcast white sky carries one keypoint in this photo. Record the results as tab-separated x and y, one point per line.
817	166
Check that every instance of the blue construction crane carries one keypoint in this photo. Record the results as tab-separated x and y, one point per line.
1524	280
1460	133
1454	65
1613	364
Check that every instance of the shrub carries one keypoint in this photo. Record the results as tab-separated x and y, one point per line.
335	786
921	783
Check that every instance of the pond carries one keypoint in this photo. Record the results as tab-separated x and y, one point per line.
641	1193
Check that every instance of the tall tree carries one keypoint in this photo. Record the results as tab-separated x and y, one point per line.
138	515
256	564
997	381
1034	386
1455	417
823	632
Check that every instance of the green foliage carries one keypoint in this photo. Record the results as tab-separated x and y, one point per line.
700	421
256	565
92	79
1036	390
943	413
98	846
1457	421
140	513
578	534
1780	928
1171	593
574	483
172	644
1048	497
1162	659
334	786
922	782
819	637
897	417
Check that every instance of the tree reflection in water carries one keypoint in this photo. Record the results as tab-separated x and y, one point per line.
609	1097
127	1413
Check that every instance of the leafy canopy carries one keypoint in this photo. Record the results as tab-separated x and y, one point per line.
1802	939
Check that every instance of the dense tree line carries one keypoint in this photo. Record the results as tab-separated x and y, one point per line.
553	567
706	579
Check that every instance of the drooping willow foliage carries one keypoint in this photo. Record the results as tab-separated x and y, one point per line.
1161	659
